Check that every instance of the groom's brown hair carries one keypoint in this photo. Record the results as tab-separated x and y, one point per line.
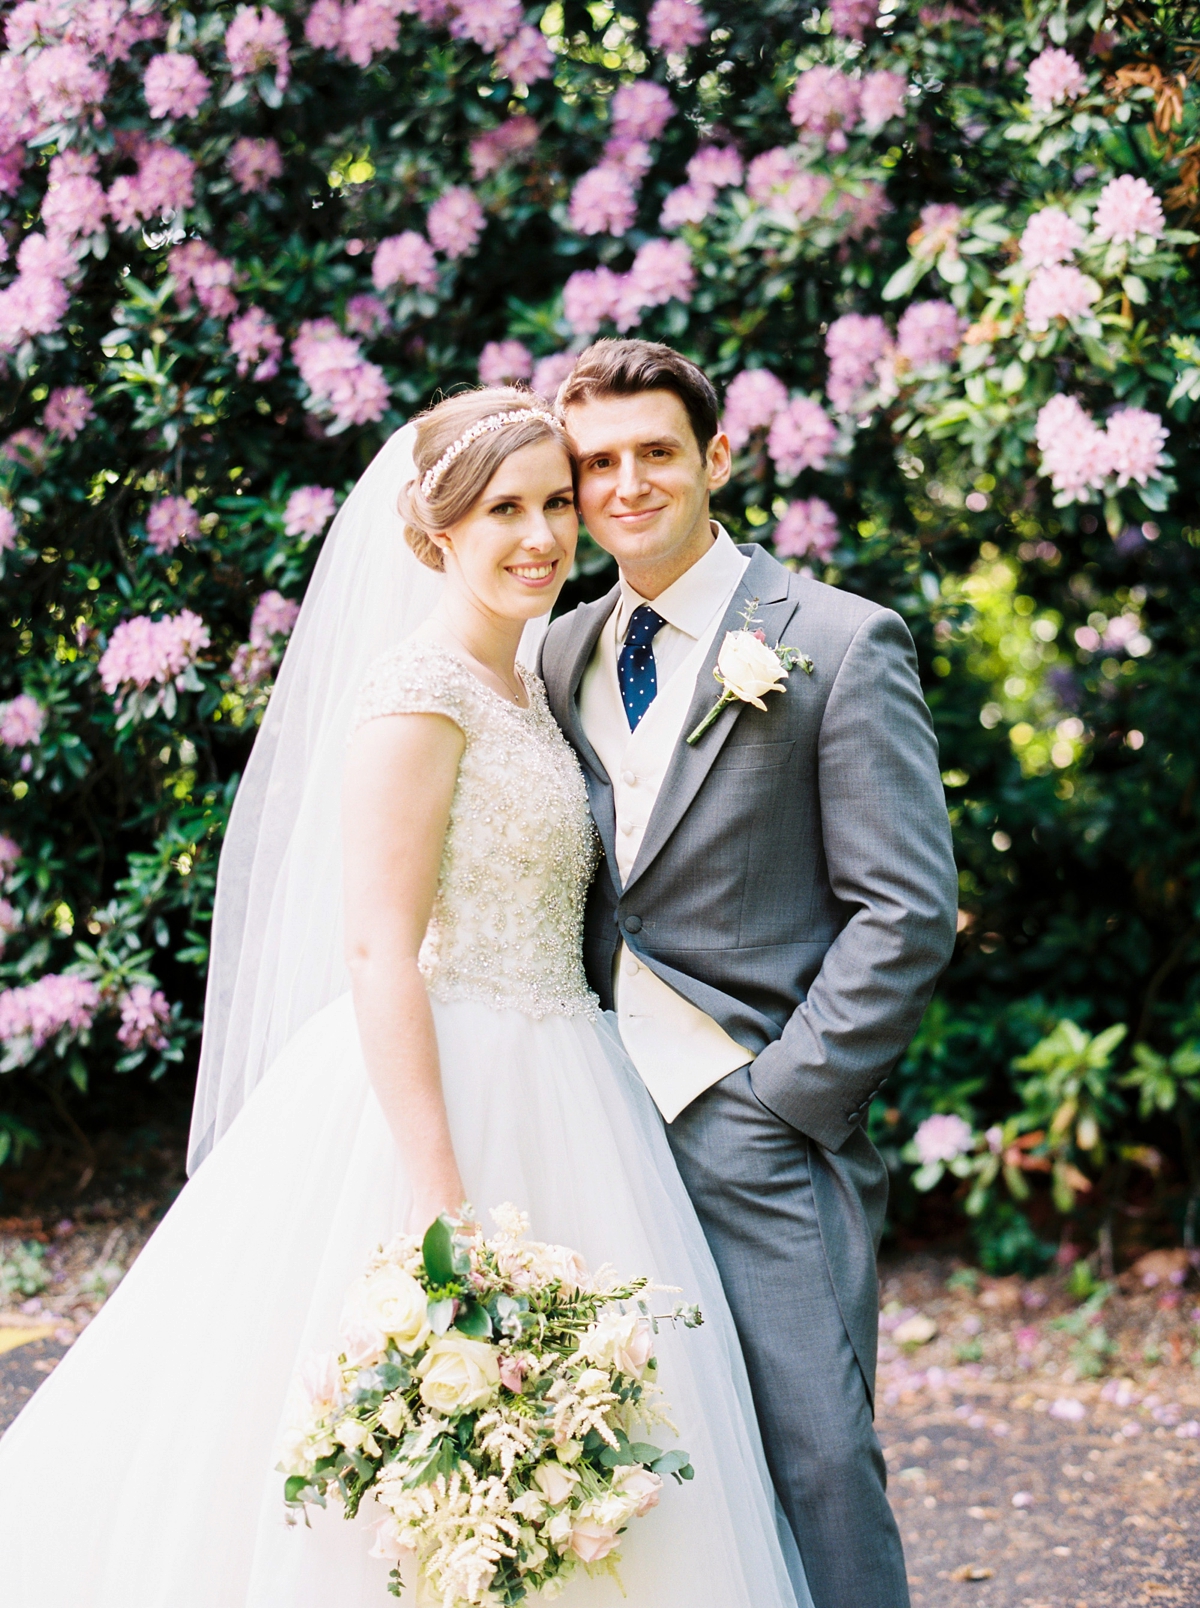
626	368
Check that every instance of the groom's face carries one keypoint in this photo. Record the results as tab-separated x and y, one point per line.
644	483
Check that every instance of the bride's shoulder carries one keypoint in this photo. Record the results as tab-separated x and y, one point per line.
416	678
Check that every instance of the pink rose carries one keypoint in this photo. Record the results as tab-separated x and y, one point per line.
591	1541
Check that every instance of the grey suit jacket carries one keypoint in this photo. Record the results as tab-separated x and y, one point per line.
796	880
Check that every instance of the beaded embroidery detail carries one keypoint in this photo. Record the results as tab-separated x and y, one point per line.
507	920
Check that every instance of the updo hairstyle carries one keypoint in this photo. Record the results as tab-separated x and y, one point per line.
464	480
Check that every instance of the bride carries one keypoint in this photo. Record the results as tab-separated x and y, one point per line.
397	1022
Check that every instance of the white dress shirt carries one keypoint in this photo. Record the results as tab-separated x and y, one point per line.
678	1050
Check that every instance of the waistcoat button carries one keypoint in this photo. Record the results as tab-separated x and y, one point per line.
633	923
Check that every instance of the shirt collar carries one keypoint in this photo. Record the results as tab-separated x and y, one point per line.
690	602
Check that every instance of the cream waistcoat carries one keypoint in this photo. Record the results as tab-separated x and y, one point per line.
677	1049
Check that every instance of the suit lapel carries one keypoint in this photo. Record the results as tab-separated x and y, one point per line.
563	675
767	581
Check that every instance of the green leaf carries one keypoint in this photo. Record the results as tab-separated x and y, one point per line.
441	1314
473	1320
906	279
293	1486
437	1251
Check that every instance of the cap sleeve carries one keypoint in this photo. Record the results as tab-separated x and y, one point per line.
416	680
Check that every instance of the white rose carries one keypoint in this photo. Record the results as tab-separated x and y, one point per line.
363	1344
555	1482
749	668
394	1416
392	1301
640	1485
567	1266
620	1340
591	1541
558	1531
351	1433
458	1374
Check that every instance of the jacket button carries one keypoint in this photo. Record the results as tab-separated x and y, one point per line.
633	923
852	1117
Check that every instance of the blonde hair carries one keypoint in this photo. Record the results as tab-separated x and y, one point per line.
454	491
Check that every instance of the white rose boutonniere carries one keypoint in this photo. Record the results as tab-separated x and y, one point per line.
748	668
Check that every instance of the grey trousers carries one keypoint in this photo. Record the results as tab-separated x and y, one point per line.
750	1177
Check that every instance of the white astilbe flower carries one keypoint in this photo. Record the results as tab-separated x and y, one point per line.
505	1438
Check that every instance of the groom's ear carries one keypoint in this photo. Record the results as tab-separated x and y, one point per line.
718	461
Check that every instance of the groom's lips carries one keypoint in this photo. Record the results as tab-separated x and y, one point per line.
639	513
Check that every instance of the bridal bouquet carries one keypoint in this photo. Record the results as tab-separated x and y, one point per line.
488	1396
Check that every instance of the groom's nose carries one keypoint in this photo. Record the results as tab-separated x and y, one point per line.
631	478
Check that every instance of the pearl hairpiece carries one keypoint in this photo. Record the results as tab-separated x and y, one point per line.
494	421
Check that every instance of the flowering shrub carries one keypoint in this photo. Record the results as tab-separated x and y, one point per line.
941	261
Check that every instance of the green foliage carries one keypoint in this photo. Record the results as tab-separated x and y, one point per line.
23	1273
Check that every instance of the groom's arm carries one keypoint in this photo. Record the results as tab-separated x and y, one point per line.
890	859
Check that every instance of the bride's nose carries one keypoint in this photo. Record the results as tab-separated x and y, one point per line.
539	538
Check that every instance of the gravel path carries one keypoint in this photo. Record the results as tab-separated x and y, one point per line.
1041	1454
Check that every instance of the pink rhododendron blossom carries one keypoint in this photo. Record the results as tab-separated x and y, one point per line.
197	269
8	529
716	165
942	1138
1127	208
1049	237
770	173
825	103
641	110
674	26
309	509
633	158
1135	440
171	520
26	447
937	231
339	378
690	203
603	202
514	138
752	400
63	85
12	163
1074	451
10	922
661	272
255	342
501	362
1053	77
323	25
164	183
550	372
144	1014
808	528
489	23
40	1011
67	410
1059	291
801	437
590	297
257	40
884	96
174	85
143	652
367	315
368	29
47	255
526	58
929	332
852	18
404	259
861	211
108	28
21	721
456	222
10	853
274	616
75	206
856	345
254	163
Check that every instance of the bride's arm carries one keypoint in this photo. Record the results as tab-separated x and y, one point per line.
400	776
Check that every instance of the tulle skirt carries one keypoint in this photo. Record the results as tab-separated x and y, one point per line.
143	1473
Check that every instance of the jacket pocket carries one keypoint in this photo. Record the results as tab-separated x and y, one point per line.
754	756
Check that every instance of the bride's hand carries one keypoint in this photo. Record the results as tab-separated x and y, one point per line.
430	1201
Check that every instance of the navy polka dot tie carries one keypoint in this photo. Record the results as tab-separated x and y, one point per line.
635	666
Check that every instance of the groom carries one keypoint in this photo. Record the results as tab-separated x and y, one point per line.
775	906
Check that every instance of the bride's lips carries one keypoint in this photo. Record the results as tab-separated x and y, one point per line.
535	576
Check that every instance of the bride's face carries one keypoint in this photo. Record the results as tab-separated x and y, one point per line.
515	548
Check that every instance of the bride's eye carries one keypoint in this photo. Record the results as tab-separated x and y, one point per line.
504	508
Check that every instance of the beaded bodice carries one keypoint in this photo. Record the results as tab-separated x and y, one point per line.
520	848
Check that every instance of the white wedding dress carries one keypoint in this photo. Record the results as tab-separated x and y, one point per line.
142	1474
